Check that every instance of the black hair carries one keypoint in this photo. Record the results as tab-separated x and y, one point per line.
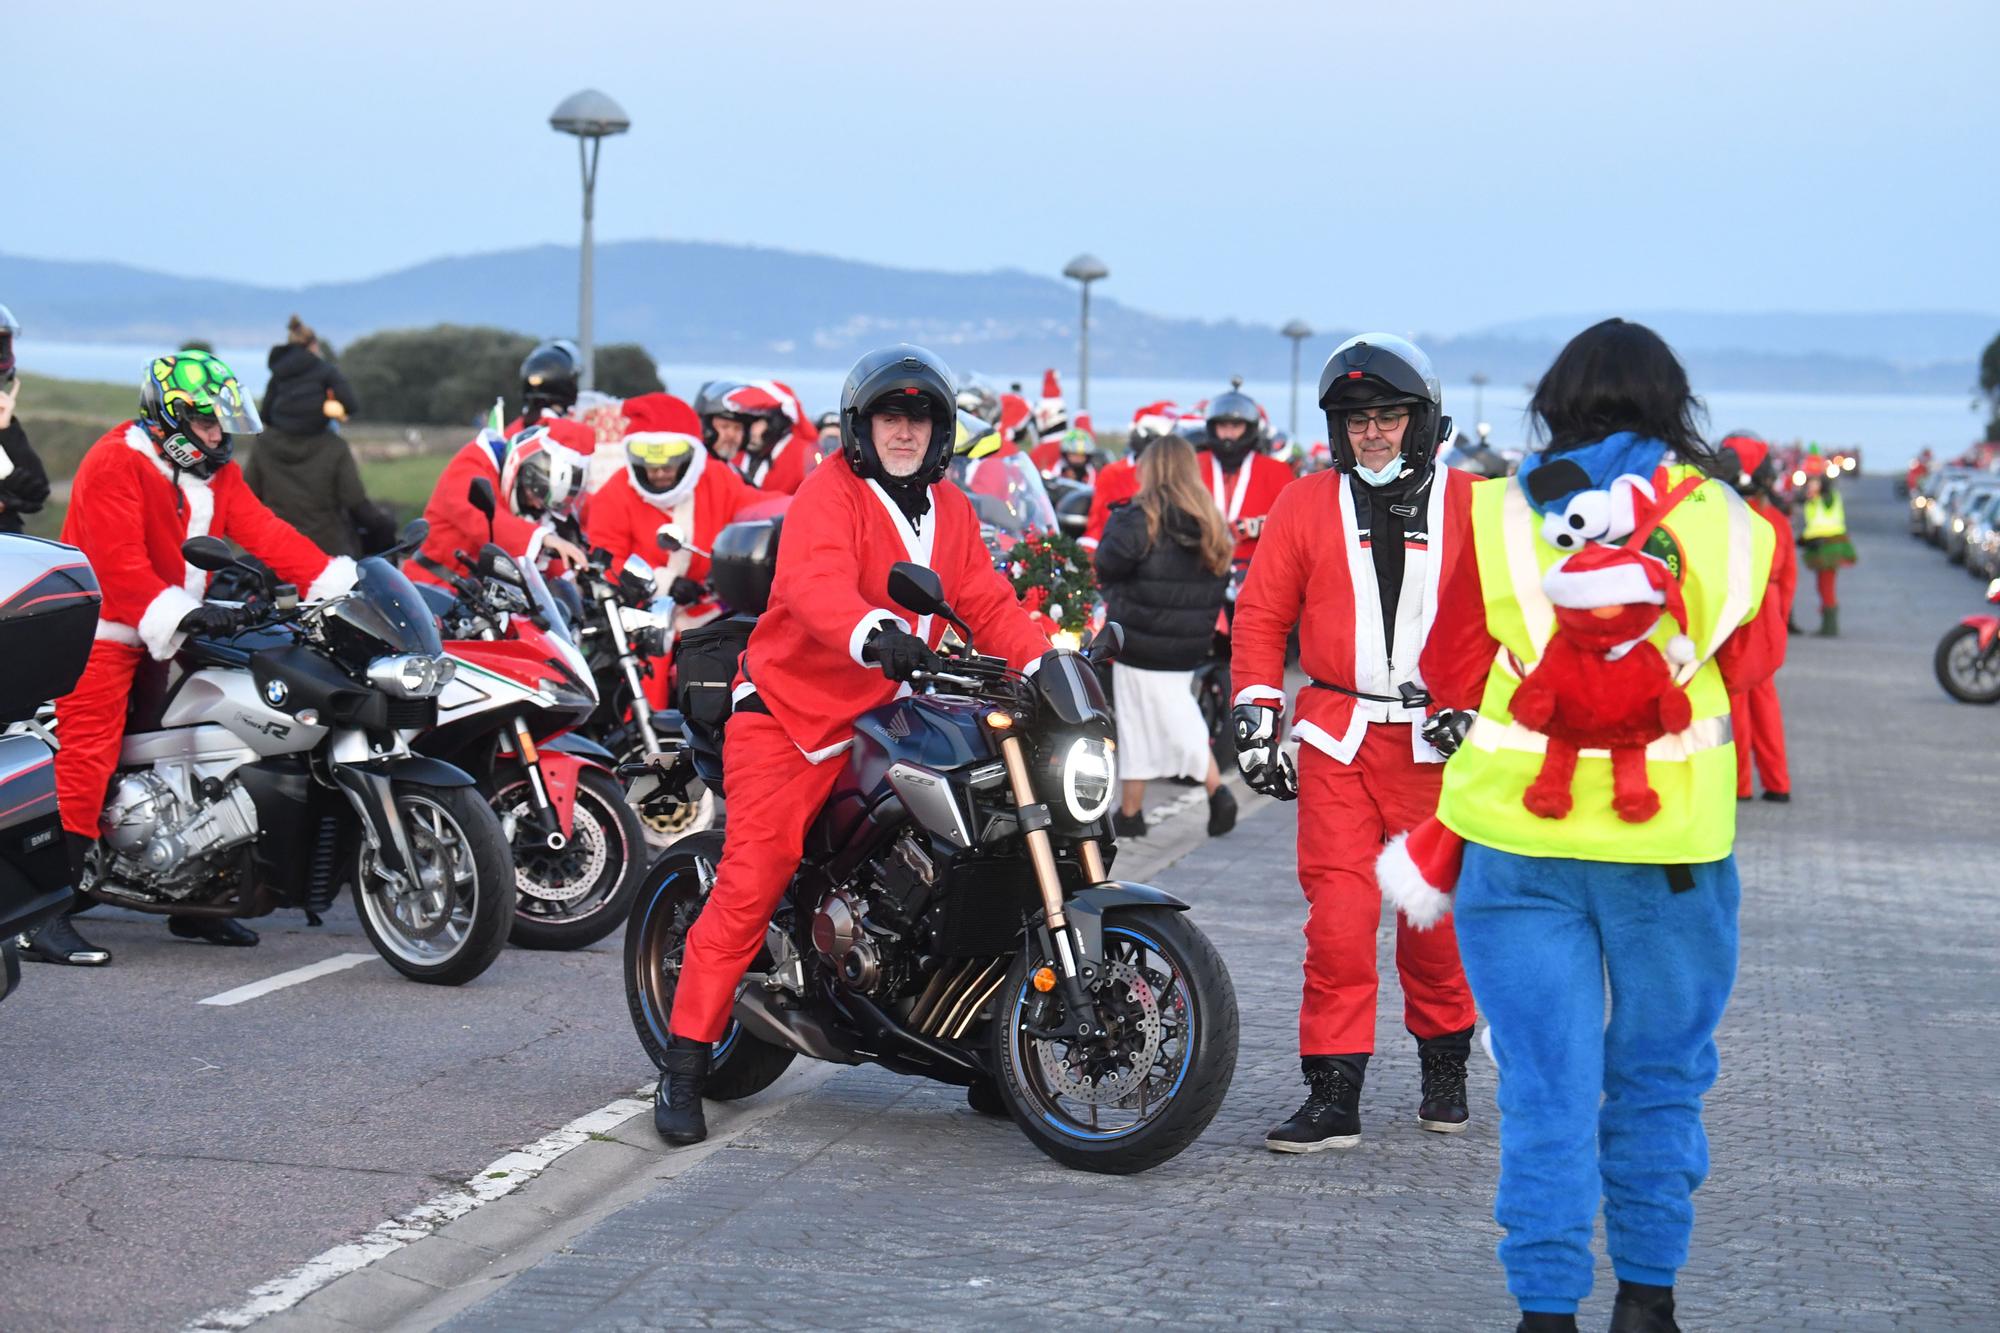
1620	376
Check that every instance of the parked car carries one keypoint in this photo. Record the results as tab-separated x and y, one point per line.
1938	514
1982	543
1974	503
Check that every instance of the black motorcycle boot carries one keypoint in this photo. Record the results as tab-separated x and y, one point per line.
212	929
1643	1308
57	941
1221	811
1443	1109
984	1097
677	1116
1128	826
1331	1117
1538	1322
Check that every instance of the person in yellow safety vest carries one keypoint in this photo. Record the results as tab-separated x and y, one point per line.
1825	546
1548	907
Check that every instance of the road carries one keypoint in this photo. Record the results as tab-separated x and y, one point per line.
164	1157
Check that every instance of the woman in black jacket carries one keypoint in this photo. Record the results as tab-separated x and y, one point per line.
1163	564
301	467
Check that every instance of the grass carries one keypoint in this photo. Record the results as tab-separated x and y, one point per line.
43	394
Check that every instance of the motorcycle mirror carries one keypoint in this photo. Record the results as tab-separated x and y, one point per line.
669	539
414	534
1106	644
480	496
210	554
497	564
638	569
915	588
1073	523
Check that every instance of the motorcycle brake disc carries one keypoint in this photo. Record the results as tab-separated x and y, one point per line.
1069	1070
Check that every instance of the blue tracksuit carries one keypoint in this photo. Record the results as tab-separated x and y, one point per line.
1591	1109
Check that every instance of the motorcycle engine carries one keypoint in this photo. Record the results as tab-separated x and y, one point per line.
856	930
840	935
158	833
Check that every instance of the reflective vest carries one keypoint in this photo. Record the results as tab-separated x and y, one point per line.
1722	552
1825	517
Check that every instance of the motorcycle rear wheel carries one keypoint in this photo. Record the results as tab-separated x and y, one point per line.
1968	674
605	835
1171	993
449	930
675	889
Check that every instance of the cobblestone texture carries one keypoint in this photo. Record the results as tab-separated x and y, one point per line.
1853	1129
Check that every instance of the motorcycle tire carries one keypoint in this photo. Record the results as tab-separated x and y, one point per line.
1203	1004
675	889
1964	640
603	822
453	824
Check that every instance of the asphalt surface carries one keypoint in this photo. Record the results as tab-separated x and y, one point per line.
162	1158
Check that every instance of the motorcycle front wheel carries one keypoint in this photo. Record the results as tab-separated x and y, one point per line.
1968	673
579	894
676	887
1128	1104
445	924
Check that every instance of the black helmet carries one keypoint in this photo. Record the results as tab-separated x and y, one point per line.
1235	405
9	330
911	374
549	379
708	405
1381	370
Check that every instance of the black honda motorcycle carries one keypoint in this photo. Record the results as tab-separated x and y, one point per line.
954	918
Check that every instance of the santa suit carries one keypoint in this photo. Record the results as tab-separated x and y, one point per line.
804	682
790	459
1048	457
455	525
1754	714
1246	495
1117	482
129	512
1365	772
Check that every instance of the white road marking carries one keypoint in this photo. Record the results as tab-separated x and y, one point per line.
501	1177
338	963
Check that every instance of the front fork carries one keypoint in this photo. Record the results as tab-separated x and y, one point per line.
521	747
1074	973
628	662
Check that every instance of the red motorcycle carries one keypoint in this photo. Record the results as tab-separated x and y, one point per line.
1968	657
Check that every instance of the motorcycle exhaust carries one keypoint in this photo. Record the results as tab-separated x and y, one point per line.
792	1029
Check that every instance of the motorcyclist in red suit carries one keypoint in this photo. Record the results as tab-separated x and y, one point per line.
536	469
1244	480
1118	480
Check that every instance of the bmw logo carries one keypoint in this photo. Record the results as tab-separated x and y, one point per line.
275	693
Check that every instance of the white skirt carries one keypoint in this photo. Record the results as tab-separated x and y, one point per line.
1160	730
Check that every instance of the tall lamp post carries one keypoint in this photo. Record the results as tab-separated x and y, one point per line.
1479	383
1298	331
591	117
1085	269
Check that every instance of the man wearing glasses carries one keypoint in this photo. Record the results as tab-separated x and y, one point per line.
1352	557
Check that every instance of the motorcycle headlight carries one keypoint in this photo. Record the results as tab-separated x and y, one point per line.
1089	778
411	676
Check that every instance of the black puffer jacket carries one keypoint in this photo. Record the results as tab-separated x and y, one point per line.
295	402
1160	593
24	487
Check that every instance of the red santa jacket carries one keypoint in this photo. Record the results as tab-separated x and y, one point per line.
784	468
1047	457
841	536
1314	570
1117	482
129	512
625	520
456	525
1246	495
1785	559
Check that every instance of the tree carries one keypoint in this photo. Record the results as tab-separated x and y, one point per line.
624	370
1989	386
446	374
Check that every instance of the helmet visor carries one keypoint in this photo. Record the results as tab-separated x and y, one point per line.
233	408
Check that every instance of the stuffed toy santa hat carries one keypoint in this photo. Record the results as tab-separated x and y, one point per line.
1418	871
1600	576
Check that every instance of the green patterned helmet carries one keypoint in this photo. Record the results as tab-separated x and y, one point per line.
194	387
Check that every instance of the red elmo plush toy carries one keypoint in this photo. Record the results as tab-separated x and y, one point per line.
1600	685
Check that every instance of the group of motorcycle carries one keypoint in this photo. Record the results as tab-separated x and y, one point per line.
457	756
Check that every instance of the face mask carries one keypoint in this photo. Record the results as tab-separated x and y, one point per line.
1393	470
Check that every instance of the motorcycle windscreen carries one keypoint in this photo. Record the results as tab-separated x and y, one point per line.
386	607
1007	492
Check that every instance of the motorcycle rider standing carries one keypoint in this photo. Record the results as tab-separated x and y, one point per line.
1244	480
829	648
144	488
1352	558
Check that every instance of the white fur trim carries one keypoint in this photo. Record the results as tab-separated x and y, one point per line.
336	580
1680	650
1421	904
865	626
113	632
159	628
1623	584
1256	694
667	501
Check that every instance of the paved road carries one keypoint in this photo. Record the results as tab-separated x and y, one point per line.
164	1157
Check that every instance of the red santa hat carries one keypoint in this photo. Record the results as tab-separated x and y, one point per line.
1600	576
1418	871
1157	417
1082	423
1051	385
573	435
659	428
1014	414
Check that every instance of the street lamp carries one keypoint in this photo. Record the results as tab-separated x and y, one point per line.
1298	331
1085	269
591	117
1478	400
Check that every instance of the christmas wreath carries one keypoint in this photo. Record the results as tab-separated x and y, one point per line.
1052	576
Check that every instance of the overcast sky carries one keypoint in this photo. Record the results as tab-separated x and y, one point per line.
1436	166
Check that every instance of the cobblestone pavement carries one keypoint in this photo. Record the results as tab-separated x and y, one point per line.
1853	1129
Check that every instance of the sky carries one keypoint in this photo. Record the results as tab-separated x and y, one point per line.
1441	166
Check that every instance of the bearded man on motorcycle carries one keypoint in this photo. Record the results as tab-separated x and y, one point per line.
1353	558
1118	481
779	443
827	650
1244	480
144	488
534	472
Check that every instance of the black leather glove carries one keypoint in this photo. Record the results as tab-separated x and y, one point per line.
1260	752
686	592
209	622
1446	728
899	653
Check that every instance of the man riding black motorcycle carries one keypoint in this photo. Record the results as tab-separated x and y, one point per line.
829	648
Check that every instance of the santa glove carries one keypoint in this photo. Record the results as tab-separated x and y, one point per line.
1260	752
899	653
210	622
686	592
1446	728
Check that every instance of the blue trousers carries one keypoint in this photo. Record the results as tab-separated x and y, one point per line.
1592	1109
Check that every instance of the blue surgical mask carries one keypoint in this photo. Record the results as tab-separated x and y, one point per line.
1393	470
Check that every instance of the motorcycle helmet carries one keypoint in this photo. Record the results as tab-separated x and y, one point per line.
769	402
978	398
1377	370
187	387
549	379
662	433
9	331
899	377
1051	413
1078	447
1235	405
975	437
541	475
708	405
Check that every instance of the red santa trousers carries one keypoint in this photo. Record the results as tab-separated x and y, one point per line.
1346	813
774	793
1760	727
91	723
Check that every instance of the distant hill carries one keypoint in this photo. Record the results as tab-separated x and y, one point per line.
696	302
